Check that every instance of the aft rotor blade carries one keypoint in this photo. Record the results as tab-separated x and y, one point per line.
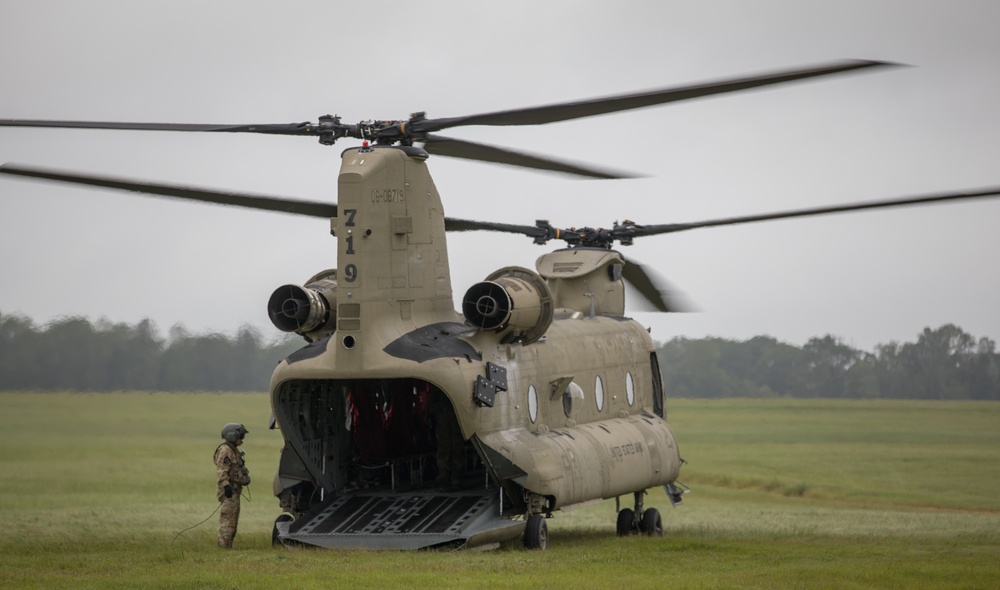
649	230
653	288
452	224
251	201
588	108
272	129
457	148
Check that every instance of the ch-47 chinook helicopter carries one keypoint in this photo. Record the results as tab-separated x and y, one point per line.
409	425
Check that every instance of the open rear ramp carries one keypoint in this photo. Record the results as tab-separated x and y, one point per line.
404	520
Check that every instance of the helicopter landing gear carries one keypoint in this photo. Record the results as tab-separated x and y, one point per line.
626	522
652	523
536	532
274	531
646	521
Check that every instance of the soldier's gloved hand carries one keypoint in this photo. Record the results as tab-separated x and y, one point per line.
228	491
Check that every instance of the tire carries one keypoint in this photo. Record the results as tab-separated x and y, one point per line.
536	532
274	531
652	523
626	518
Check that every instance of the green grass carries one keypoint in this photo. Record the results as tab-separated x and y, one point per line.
786	494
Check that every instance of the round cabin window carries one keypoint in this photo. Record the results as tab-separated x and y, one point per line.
629	389
599	393
532	403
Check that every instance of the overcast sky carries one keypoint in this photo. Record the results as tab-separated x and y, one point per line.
866	277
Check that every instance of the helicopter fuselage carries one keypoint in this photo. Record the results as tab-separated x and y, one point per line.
556	394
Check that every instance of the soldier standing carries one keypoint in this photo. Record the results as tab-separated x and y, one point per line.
232	476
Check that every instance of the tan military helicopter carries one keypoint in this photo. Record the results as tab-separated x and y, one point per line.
409	425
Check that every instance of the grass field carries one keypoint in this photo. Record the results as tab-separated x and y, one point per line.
786	494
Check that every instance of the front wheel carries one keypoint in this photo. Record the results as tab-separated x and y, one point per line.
536	532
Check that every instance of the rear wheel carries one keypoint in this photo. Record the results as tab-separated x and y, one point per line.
536	532
626	522
652	523
274	531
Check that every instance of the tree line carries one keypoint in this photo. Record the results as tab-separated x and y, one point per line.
945	363
73	354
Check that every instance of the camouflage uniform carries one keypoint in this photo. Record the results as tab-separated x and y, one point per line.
232	473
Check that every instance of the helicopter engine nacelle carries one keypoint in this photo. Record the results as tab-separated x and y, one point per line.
309	310
514	301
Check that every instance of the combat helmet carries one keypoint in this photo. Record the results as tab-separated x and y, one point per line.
233	432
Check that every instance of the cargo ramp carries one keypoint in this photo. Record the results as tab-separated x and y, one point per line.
403	520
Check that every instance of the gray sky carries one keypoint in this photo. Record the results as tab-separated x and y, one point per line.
867	277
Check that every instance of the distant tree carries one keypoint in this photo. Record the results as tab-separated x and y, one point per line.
198	363
984	382
21	353
76	357
777	366
828	360
715	367
947	363
943	363
134	359
862	379
73	354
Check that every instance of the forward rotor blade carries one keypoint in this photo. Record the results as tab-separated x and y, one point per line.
588	108
272	129
457	148
650	230
654	288
279	204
